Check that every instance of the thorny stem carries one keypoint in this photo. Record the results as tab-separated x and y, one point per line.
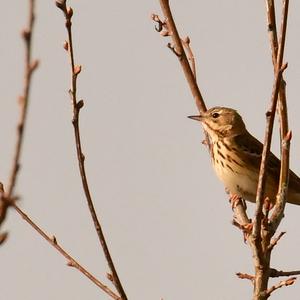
77	105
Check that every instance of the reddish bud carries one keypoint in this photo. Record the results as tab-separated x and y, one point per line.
34	65
25	34
3	237
69	12
66	46
77	69
80	104
54	239
70	263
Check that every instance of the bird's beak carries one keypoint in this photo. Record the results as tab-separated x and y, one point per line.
196	118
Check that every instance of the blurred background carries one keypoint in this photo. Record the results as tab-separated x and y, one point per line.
165	215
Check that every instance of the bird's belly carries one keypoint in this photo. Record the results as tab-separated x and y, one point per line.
237	179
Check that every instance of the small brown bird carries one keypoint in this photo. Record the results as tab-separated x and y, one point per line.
236	157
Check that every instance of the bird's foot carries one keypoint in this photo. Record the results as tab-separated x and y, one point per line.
235	199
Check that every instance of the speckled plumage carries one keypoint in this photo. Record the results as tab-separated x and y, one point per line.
236	157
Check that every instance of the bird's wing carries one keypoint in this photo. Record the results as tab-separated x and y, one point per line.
251	152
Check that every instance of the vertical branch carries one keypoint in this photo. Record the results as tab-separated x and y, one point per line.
270	121
262	236
272	29
30	66
285	133
77	105
282	107
259	242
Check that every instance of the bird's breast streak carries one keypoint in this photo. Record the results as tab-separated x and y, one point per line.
231	172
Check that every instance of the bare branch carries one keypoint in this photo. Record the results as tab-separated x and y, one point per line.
178	48
71	261
245	276
262	235
30	67
279	285
266	150
276	273
77	105
285	134
186	42
274	241
271	19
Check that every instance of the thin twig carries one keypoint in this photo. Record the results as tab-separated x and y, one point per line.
262	235
286	135
274	241
245	276
77	105
168	28
275	273
266	150
279	285
272	29
186	42
178	47
269	129
260	256
30	66
71	261
189	70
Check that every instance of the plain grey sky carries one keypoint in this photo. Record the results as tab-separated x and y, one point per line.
165	214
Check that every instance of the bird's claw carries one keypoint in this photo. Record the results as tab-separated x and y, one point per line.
234	200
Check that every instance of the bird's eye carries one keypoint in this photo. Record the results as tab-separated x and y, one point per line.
215	115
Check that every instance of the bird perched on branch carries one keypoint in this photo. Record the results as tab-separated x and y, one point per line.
236	157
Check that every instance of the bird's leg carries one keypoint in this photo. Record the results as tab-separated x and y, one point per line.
235	199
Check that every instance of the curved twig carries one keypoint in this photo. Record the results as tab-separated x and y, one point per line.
77	105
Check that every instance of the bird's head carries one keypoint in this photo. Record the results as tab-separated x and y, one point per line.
220	122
